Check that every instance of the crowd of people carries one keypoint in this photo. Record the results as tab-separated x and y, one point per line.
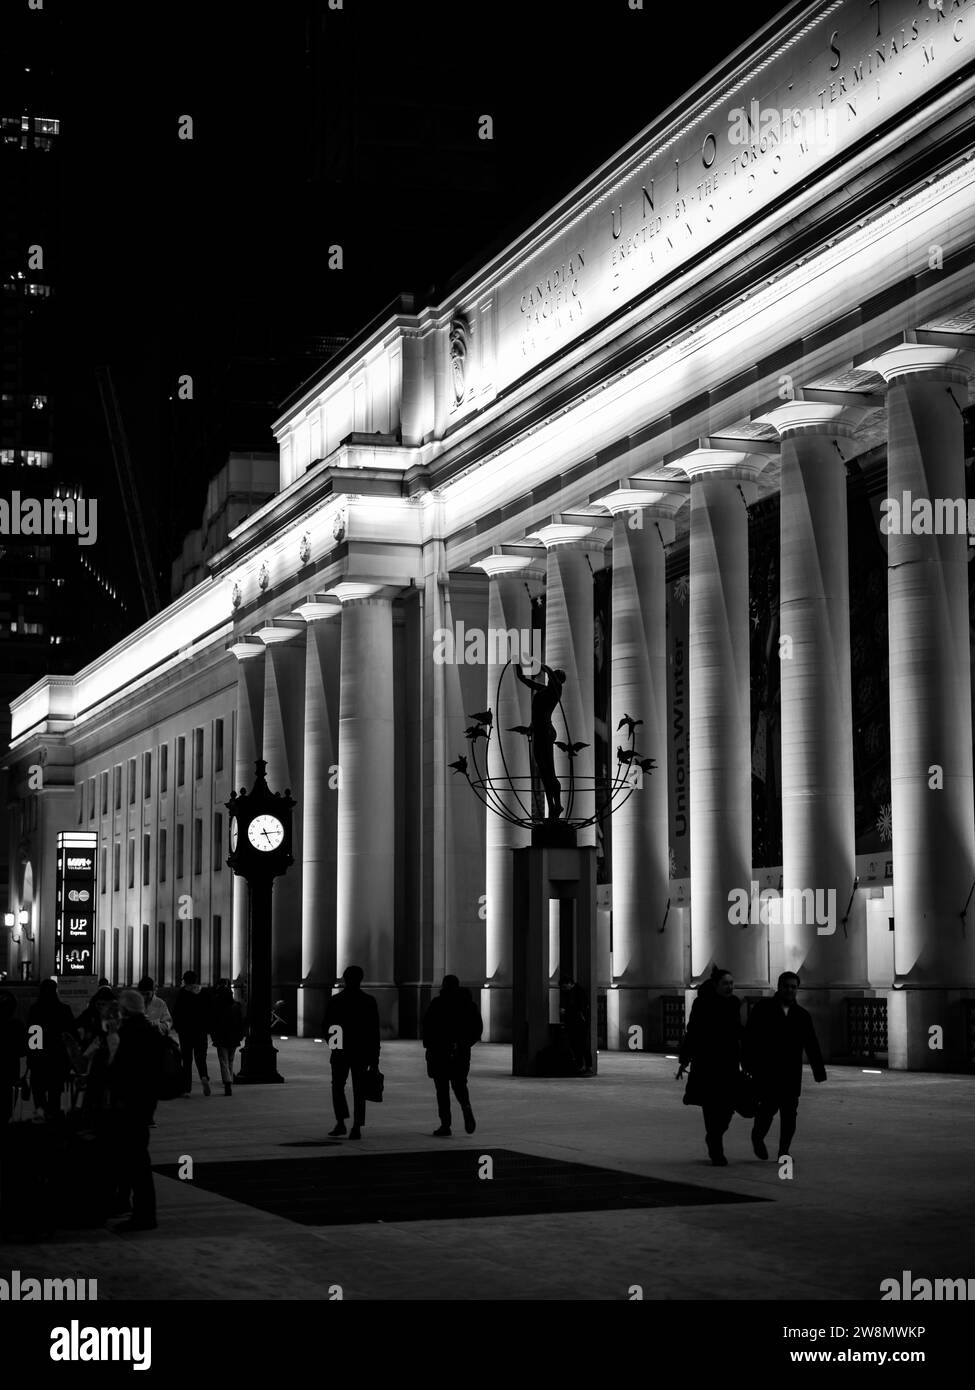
112	1062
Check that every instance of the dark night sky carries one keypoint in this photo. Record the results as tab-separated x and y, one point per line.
181	256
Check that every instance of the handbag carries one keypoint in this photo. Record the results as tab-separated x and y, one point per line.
375	1081
746	1096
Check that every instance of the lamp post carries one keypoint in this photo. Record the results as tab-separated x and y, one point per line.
260	851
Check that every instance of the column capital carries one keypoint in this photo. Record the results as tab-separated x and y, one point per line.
813	417
661	497
922	354
317	606
355	591
705	461
278	630
499	565
582	532
244	648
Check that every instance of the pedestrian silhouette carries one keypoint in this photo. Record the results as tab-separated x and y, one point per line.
574	1010
778	1032
135	1071
451	1026
13	1047
352	1030
712	1048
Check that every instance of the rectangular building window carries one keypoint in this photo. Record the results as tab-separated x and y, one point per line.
177	952
117	786
130	858
104	873
81	804
116	864
196	950
146	776
146	858
164	769
160	976
91	798
145	949
179	851
163	837
132	781
180	761
198	845
197	753
104	793
217	842
218	745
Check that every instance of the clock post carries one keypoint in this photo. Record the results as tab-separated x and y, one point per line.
260	851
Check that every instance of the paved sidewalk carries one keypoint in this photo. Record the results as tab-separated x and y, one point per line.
883	1182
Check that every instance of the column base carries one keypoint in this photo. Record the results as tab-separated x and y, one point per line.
386	996
639	1007
258	1065
496	1013
311	1007
930	1029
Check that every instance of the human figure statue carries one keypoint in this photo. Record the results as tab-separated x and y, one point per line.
545	701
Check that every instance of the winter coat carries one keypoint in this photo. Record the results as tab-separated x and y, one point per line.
191	1013
357	1014
226	1020
54	1018
773	1048
451	1026
157	1012
13	1046
712	1046
135	1071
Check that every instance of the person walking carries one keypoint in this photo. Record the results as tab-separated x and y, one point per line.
352	1030
226	1031
135	1070
13	1048
575	1020
711	1047
191	1022
47	1054
778	1032
451	1026
157	1010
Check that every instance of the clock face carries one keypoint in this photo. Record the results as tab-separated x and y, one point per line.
265	832
233	834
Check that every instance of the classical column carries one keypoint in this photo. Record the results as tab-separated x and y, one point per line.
930	697
248	747
365	897
319	811
509	611
284	731
720	715
569	636
645	955
818	830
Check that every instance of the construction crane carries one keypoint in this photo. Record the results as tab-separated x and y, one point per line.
129	492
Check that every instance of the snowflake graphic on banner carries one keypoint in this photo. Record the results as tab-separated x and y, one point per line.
681	589
885	824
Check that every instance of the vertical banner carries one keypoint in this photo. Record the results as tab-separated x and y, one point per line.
678	749
76	904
